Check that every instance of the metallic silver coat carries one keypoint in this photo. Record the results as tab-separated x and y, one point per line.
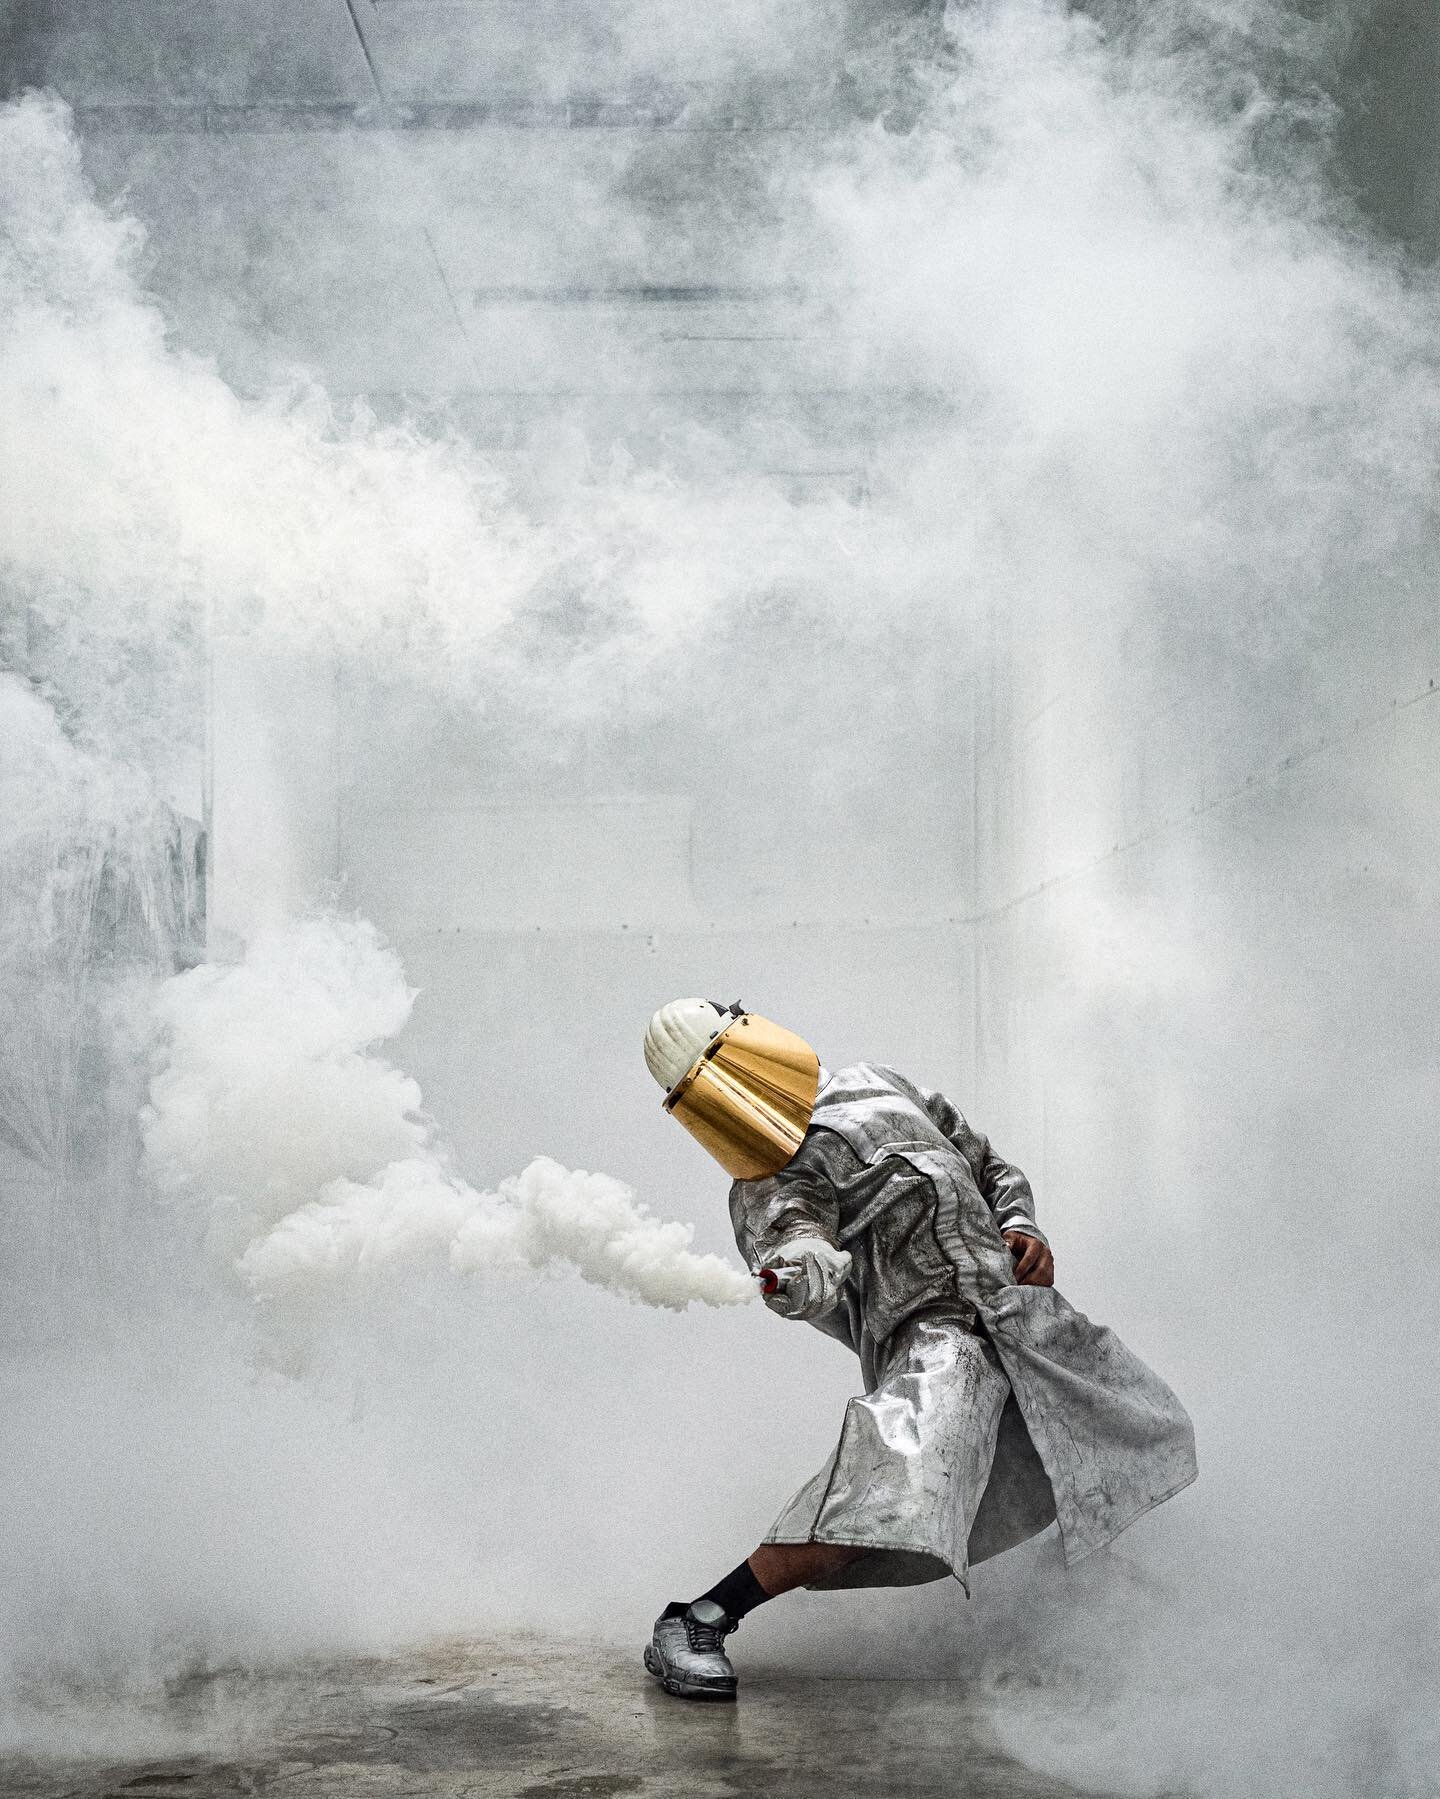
989	1408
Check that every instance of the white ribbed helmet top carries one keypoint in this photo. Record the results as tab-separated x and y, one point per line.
677	1033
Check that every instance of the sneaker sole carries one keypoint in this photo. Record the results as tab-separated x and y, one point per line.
681	1689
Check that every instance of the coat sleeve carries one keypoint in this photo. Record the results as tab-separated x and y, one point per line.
770	1213
1002	1186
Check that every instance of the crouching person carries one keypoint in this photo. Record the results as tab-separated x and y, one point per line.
871	1209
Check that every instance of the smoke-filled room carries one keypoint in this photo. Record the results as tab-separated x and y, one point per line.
719	895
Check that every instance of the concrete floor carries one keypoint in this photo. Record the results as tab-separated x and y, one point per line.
526	1719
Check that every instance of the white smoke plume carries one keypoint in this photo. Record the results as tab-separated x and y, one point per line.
544	1218
311	1159
1144	391
146	503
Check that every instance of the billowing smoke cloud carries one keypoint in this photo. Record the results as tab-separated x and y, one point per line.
313	1161
1156	431
546	1217
148	506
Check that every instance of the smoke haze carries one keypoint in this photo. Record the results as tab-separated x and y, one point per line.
1043	706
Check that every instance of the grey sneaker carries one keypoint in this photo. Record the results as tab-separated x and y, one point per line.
687	1655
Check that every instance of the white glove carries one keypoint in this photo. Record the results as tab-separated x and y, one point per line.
817	1270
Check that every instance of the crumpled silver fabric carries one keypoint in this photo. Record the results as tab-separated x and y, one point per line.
913	1460
989	1408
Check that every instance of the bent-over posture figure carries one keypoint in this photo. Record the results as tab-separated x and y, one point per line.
870	1208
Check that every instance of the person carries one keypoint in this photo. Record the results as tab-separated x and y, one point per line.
870	1208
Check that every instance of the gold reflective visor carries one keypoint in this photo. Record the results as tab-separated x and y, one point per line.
749	1096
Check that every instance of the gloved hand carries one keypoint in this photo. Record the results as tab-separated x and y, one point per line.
819	1269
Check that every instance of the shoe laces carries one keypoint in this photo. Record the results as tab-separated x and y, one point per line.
707	1637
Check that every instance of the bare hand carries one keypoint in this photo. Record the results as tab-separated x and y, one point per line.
1034	1264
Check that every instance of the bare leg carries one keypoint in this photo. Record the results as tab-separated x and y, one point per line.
780	1566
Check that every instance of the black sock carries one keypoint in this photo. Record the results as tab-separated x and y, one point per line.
739	1592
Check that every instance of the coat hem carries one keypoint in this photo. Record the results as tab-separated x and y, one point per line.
1088	1549
849	1541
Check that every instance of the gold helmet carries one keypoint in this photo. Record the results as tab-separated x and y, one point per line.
742	1086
